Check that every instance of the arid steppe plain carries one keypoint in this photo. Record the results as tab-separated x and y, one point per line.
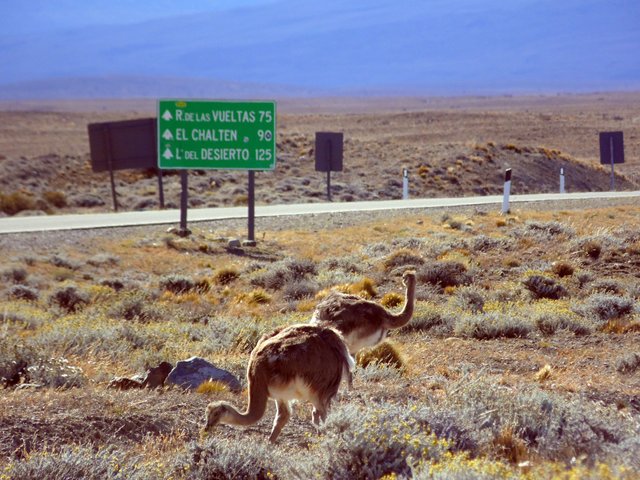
522	359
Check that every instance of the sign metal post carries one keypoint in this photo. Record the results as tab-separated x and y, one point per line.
184	199
252	206
220	135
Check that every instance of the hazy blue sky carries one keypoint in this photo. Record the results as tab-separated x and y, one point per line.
428	46
20	16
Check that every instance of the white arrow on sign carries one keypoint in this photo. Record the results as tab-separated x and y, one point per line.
167	135
167	154
167	115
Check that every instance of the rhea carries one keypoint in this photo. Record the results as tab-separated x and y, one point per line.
361	322
299	362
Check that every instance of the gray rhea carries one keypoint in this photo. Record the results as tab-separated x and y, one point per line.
300	362
364	323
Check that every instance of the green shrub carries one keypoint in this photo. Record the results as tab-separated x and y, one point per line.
242	334
403	258
469	298
544	287
299	289
344	264
69	298
444	274
378	372
14	360
277	275
629	363
602	307
300	268
113	283
103	259
177	284
606	285
14	275
135	307
593	245
24	292
371	442
75	463
544	231
26	315
549	324
490	325
483	243
583	278
553	426
376	250
64	262
56	373
227	459
426	316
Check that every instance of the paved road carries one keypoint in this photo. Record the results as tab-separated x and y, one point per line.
158	217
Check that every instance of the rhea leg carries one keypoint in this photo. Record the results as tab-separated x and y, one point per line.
283	412
320	409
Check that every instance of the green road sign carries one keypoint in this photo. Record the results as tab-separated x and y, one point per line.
216	134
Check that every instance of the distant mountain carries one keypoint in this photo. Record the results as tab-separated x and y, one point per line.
145	87
293	46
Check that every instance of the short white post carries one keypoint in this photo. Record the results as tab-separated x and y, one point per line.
405	184
562	180
507	190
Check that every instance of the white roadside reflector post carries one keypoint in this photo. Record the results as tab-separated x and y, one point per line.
562	180
405	184
507	190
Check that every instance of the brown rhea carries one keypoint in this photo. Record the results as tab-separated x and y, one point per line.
364	323
299	362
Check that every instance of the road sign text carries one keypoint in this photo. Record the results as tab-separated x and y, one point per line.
216	135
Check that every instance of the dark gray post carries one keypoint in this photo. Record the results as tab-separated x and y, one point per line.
252	206
160	188
110	163
184	199
330	151
613	181
113	187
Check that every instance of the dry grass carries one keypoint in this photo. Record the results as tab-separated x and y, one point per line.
492	330
495	378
